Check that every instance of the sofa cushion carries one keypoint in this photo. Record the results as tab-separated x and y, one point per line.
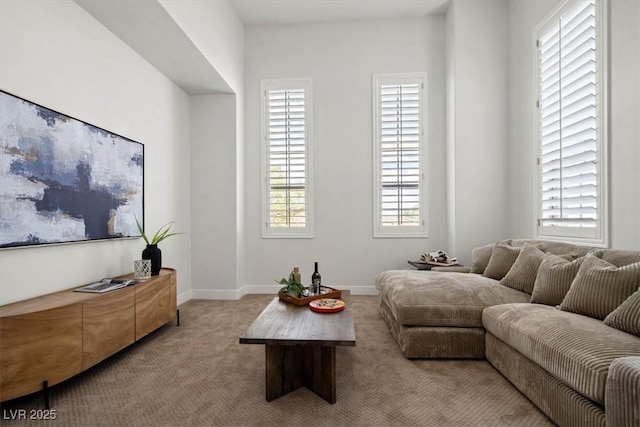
522	274
556	247
554	278
480	258
502	259
561	248
600	287
441	299
576	349
627	316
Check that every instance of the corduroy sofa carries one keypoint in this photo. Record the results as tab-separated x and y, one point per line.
561	322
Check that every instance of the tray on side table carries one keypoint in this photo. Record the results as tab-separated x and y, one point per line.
325	292
427	265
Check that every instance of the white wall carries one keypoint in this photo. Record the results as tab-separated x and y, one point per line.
341	58
624	108
213	185
625	128
476	124
217	140
523	17
57	55
451	128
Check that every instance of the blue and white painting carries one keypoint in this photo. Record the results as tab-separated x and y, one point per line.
63	180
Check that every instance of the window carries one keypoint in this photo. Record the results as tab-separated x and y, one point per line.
286	107
399	184
571	123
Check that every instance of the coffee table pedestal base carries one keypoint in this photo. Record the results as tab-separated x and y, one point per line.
288	368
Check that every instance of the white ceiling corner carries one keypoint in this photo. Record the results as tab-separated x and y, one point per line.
149	30
276	12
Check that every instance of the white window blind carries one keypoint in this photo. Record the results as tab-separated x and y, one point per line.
399	137
570	161
286	133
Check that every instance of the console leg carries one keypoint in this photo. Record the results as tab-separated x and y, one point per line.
178	317
45	392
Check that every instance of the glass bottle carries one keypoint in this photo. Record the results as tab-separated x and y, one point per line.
316	280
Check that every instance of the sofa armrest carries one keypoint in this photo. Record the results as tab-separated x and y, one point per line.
454	269
622	392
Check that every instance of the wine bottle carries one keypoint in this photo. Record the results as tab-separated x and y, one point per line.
316	279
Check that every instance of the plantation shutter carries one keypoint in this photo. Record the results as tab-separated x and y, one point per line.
286	135
400	154
399	138
568	120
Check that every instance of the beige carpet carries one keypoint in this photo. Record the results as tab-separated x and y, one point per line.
198	374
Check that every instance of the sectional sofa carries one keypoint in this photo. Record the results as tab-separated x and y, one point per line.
561	322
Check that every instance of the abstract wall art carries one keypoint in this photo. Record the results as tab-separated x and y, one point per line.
63	180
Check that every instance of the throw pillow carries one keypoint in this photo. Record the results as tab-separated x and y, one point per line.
600	287
555	274
502	258
522	274
480	258
620	258
627	316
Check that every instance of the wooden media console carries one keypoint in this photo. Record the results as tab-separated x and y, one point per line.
50	338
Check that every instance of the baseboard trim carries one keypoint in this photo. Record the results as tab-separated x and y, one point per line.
231	294
259	289
362	290
184	297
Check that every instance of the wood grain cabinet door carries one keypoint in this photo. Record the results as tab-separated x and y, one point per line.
39	346
108	325
56	336
155	302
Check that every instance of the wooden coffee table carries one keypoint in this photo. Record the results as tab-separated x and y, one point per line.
300	347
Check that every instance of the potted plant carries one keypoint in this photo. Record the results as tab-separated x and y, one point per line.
152	251
293	287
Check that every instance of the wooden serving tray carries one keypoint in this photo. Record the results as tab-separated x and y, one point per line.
329	293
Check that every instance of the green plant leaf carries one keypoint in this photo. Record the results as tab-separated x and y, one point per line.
163	232
291	288
141	230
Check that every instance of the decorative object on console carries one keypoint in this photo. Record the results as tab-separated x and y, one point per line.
152	251
64	180
106	285
141	269
154	255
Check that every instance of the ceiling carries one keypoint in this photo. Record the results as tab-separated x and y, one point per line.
274	12
149	29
